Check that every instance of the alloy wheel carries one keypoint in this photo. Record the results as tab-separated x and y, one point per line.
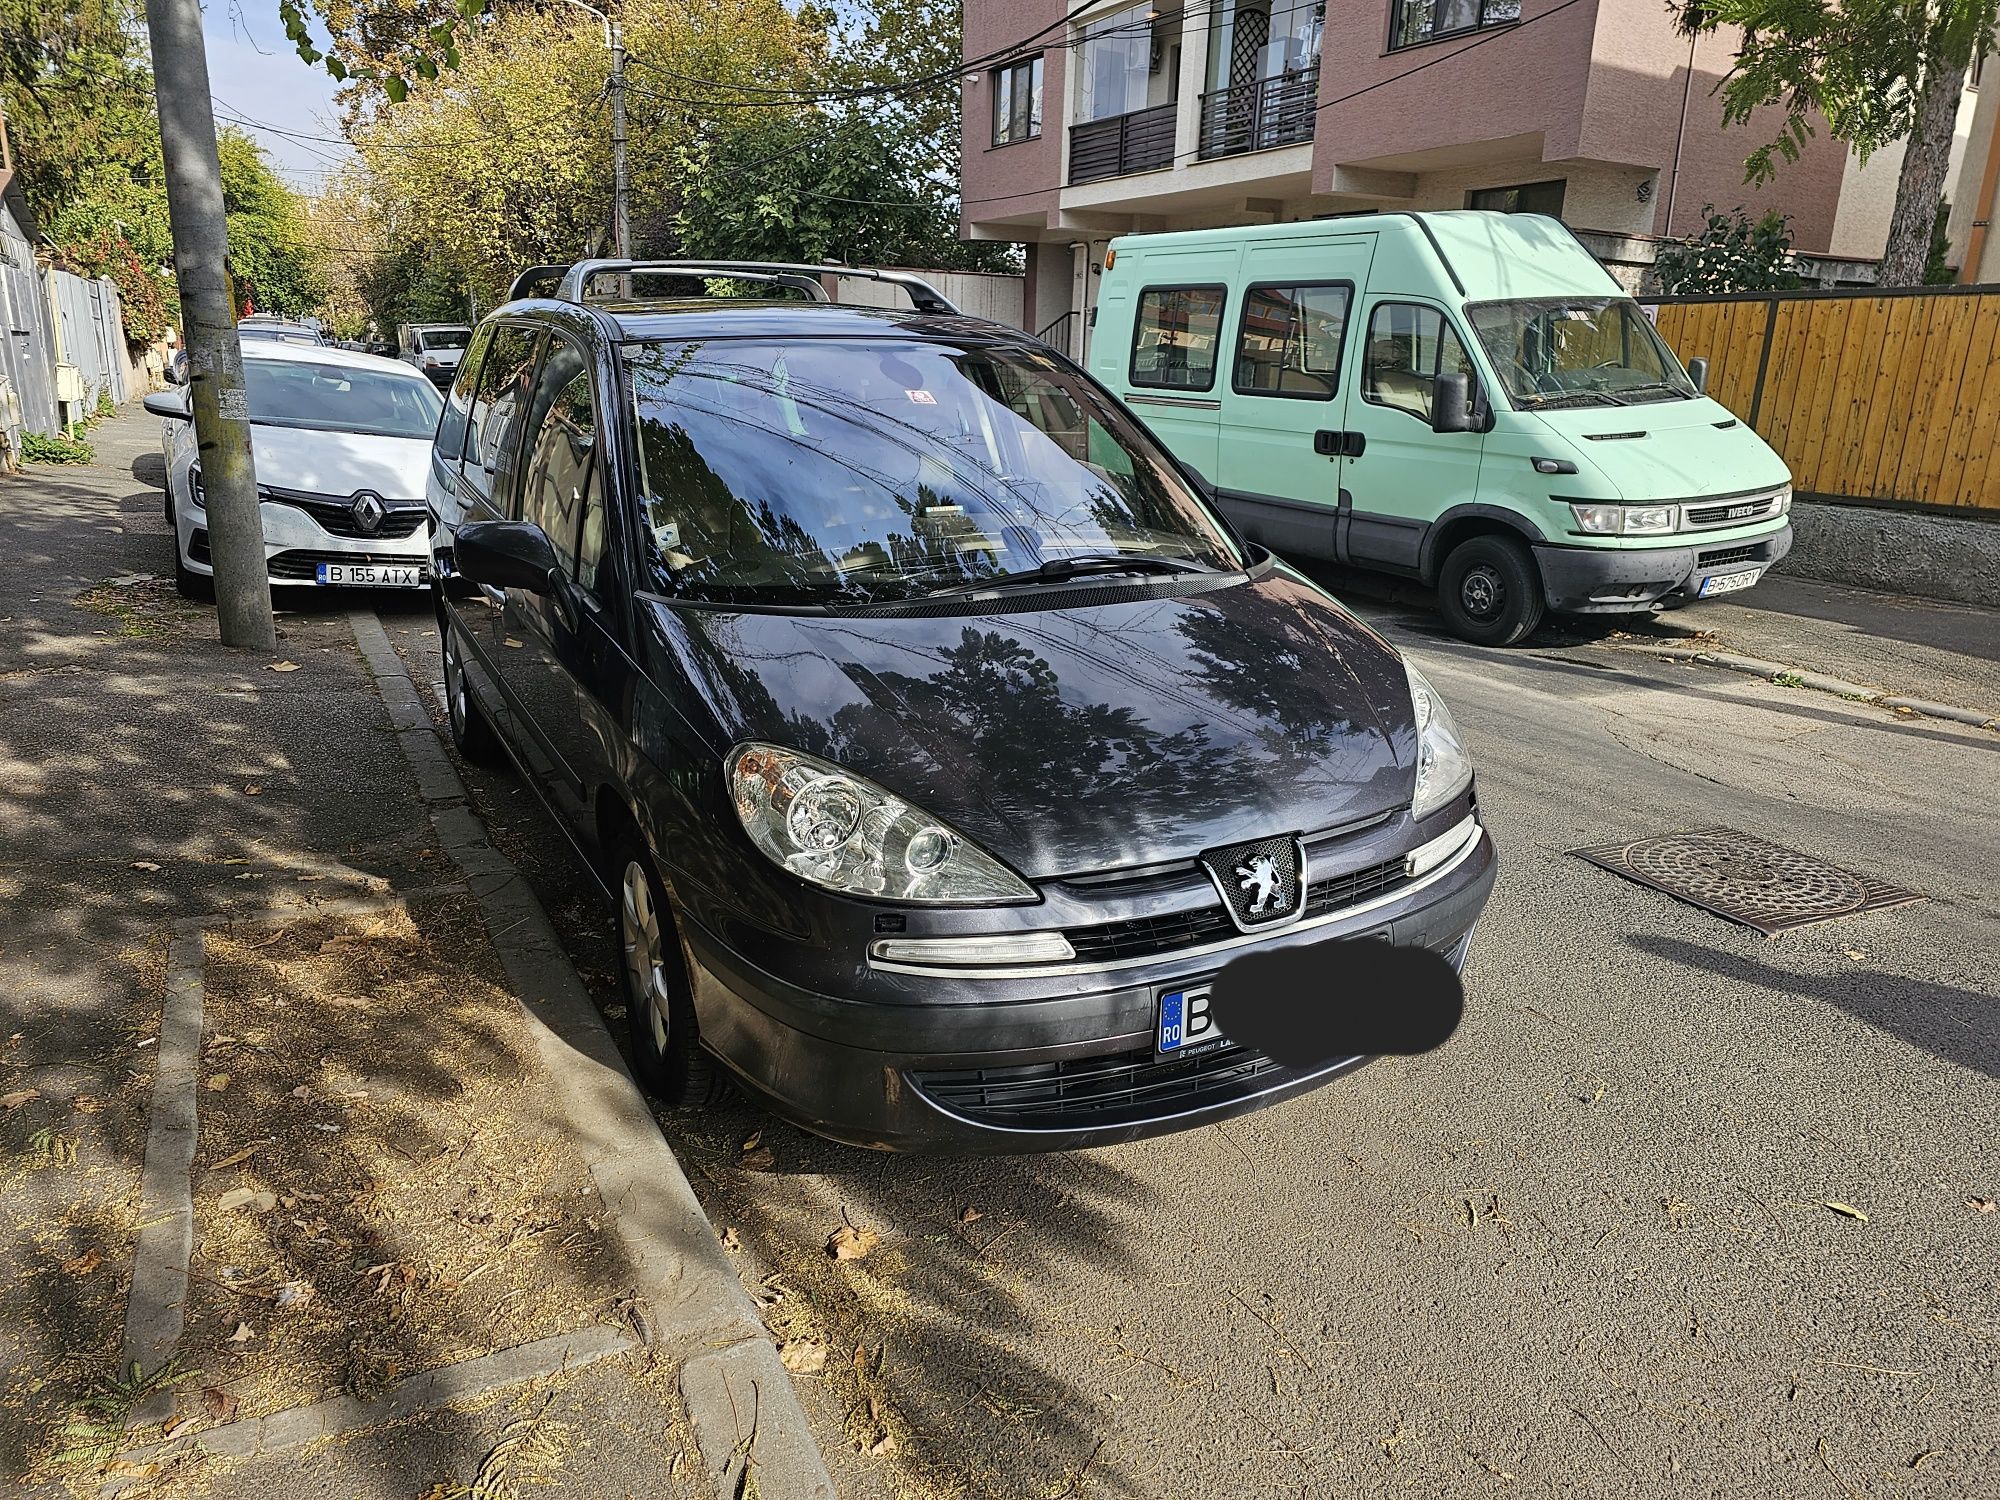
454	684
645	962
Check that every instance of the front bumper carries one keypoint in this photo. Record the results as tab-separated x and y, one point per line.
295	545
1025	1069
1606	580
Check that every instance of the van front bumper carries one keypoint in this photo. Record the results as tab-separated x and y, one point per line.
1038	1065
1607	580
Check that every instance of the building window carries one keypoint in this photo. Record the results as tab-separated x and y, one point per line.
1418	21
1017	102
1523	198
1407	347
1175	337
1124	63
1289	344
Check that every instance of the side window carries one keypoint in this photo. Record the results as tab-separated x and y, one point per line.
562	434
1175	337
493	425
1289	344
1408	346
590	547
458	402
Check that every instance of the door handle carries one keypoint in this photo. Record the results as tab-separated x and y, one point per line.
1339	444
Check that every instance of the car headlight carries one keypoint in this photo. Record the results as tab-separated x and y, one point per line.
1784	501
1626	520
843	832
195	492
1444	770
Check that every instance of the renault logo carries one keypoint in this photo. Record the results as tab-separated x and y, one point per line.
368	510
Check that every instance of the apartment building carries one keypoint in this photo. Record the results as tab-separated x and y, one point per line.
1093	120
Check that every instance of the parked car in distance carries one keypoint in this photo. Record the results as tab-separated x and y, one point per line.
936	742
1463	398
434	348
342	442
264	326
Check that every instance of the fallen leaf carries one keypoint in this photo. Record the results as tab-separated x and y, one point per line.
1857	954
303	1091
144	864
85	1263
292	1293
128	1467
731	1240
970	1216
217	1404
1981	1205
883	1446
253	791
752	1141
217	1082
238	1158
849	1243
243	1197
244	1333
19	1097
282	666
760	1160
802	1356
1848	1209
176	1427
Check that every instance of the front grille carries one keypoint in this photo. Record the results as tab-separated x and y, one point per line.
1722	557
1259	880
300	564
336	517
1121	1089
1142	937
1719	513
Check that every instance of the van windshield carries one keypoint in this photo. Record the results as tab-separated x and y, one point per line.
445	338
1595	351
847	470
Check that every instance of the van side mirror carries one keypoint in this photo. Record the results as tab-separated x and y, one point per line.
173	405
1451	403
1698	373
506	555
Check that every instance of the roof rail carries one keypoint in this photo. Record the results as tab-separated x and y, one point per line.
530	281
924	297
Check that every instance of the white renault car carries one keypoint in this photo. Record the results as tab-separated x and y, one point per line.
342	444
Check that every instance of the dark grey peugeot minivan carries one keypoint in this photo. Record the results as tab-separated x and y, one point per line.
936	741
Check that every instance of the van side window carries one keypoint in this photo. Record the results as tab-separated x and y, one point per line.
1175	337
458	403
1289	342
1408	346
493	426
562	433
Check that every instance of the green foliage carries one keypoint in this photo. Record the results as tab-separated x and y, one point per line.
1937	272
275	267
60	449
1733	253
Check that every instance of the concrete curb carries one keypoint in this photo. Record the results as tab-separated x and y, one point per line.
740	1401
1773	671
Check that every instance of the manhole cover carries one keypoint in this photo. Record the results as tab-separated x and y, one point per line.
1746	879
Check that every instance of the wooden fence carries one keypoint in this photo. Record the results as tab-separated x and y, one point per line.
1871	397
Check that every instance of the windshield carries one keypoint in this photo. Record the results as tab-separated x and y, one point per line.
845	470
279	335
445	338
334	398
1598	351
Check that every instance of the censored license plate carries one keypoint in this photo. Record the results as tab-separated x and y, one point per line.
371	575
1729	583
1186	1023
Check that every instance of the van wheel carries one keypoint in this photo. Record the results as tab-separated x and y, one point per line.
1490	591
659	1004
471	731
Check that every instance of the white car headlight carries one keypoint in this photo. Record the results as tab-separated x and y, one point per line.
845	833
1626	520
1444	770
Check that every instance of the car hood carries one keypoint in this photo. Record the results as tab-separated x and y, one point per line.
339	463
1668	450
1068	740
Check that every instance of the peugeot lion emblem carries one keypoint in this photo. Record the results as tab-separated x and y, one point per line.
1262	883
1260	875
368	510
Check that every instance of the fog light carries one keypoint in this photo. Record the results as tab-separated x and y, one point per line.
982	951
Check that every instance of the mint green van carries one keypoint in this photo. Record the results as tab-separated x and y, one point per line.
1467	399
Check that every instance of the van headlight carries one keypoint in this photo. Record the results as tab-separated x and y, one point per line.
1626	520
1444	770
846	834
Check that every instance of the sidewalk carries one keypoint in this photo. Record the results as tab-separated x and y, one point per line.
400	1226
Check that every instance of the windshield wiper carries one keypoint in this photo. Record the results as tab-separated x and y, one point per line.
1570	398
1057	569
1660	385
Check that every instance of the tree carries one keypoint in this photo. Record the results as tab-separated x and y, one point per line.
1879	71
1732	253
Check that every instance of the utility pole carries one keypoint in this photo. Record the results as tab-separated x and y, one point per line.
621	216
216	398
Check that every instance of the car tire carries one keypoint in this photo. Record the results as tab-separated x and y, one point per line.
653	979
199	587
1490	591
472	733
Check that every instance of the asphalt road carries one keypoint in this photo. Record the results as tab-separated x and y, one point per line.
1587	1248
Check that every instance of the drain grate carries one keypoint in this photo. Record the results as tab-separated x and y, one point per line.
1747	879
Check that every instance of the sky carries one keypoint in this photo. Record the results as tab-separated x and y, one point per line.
254	74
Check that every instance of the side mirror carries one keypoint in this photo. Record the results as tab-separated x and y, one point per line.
506	555
1698	373
173	405
1451	403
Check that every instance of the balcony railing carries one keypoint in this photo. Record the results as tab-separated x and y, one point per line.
1255	116
1136	142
